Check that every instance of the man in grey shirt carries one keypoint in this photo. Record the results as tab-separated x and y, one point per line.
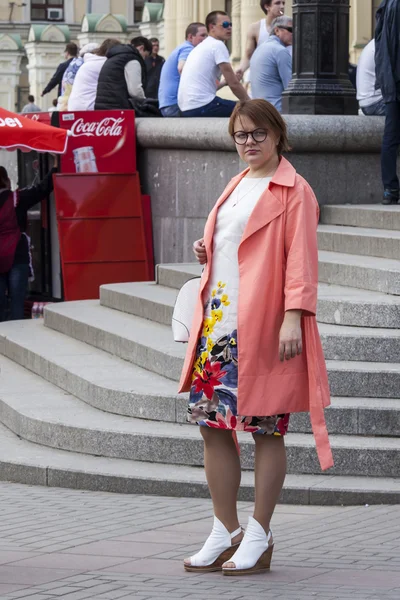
271	63
31	107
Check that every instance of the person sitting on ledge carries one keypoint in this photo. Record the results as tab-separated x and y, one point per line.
199	81
271	64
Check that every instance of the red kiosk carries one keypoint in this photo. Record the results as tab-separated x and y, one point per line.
103	220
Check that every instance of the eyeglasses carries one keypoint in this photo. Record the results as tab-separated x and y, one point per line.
226	24
289	29
258	135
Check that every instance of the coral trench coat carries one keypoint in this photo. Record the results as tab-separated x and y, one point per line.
278	271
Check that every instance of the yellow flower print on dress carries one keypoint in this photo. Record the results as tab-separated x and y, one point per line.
210	344
217	314
208	327
204	356
224	300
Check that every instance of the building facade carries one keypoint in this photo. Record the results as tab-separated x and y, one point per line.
33	33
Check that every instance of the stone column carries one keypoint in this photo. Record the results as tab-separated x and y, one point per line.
184	16
237	50
170	26
11	53
360	27
250	12
320	83
44	59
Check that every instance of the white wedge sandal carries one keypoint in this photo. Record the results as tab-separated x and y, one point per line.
254	553
217	550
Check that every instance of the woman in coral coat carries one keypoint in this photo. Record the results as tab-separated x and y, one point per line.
254	354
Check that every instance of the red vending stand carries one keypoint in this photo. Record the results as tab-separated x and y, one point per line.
103	222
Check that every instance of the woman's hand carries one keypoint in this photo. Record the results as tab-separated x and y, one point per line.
200	251
290	335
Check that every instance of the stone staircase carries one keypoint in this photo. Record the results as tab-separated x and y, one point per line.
88	396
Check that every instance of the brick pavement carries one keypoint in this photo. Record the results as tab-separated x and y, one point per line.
67	544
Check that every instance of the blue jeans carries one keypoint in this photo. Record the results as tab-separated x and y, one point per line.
390	146
171	111
16	283
375	110
219	107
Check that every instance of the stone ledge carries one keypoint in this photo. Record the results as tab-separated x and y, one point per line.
307	133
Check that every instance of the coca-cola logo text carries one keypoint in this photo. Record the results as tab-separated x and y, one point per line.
106	127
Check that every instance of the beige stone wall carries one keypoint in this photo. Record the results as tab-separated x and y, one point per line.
79	10
120	7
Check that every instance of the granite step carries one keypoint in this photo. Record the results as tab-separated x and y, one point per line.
342	342
384	243
176	275
155	303
362	215
51	417
94	376
31	464
116	386
376	274
337	305
150	346
342	305
336	268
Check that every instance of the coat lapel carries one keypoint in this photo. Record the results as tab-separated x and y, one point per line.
271	204
267	208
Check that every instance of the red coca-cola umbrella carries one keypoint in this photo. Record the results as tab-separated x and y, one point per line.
20	133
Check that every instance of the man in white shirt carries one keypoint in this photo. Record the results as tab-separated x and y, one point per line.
369	98
200	77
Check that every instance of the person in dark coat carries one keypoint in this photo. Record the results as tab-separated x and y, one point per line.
154	64
71	52
123	75
15	257
387	66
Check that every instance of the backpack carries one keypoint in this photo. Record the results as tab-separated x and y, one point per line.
10	233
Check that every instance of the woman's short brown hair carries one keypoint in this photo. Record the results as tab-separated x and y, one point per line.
263	115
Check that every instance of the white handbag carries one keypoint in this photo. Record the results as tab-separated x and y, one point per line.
184	309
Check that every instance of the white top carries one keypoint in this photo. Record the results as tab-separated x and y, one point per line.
263	34
84	88
366	92
133	78
198	86
230	225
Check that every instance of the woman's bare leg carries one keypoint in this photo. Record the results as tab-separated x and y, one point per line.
222	466
270	472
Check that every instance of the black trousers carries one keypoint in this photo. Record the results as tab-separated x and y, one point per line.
390	146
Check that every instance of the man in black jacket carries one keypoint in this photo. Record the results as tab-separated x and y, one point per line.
71	51
154	64
387	63
123	75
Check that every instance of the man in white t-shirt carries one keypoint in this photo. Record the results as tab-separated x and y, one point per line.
201	74
369	98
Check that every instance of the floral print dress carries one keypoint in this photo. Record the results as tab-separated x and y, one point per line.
213	394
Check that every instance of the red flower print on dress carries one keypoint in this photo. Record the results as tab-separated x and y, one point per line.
230	422
208	379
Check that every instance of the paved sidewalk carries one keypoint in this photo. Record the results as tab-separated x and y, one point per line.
57	544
